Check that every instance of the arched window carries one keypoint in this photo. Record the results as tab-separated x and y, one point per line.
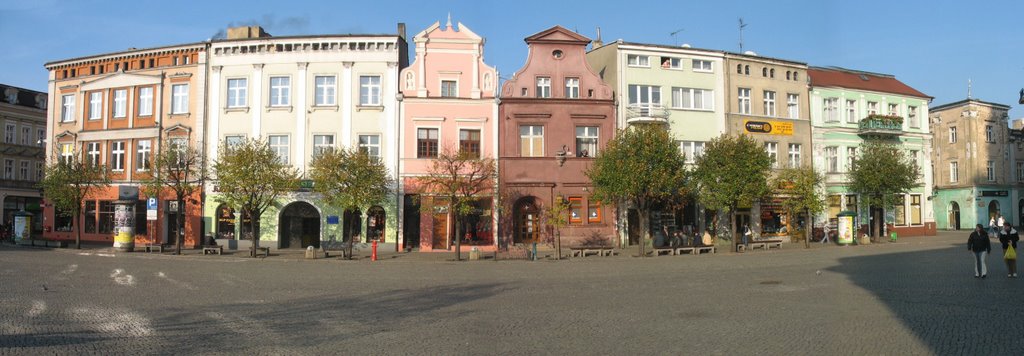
764	72
787	75
772	73
795	76
746	70
739	69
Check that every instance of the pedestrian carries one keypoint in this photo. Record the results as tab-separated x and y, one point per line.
992	227
1000	222
1008	237
827	230
747	235
979	245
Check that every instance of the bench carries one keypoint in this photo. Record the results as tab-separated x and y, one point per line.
704	249
763	244
345	248
664	250
773	243
254	251
688	249
585	251
216	250
150	248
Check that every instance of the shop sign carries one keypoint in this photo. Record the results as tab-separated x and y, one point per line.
332	220
305	185
127	192
995	193
768	127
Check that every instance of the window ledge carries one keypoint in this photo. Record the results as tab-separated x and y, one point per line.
703	71
181	114
370	107
66	122
279	108
244	109
315	108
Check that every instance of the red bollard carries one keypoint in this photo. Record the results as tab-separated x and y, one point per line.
373	257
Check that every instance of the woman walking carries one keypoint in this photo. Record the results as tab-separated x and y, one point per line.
979	245
1008	237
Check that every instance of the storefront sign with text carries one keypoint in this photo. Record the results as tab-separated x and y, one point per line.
768	127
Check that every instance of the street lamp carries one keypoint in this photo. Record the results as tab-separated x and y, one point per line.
399	97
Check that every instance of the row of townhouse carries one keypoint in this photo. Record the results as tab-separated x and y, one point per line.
544	125
23	115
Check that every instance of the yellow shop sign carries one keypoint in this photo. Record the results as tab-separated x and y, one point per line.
768	127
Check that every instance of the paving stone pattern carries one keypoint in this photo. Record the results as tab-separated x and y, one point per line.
914	297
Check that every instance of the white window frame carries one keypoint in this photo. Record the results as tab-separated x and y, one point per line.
851	111
143	154
638	60
872	108
990	171
179	98
10	133
369	90
229	138
744	100
67	113
682	95
699	66
238	92
24	171
954	172
94	153
26	135
95	105
691	150
322	143
638	89
990	135
42	137
851	155
894	109
449	92
769	103
368	146
120	103
280	91
793	105
830	110
832	159
912	119
795	155
534	132
543	87
145	101
282	147
1020	171
117	159
39	171
572	88
673	63
325	94
773	151
591	134
8	169
952	134
67	150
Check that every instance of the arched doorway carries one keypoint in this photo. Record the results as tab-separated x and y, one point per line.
526	217
375	223
299	226
993	209
954	216
352	226
225	222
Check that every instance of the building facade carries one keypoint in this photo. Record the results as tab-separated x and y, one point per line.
975	164
555	116
117	110
448	104
23	114
304	94
680	88
767	101
849	107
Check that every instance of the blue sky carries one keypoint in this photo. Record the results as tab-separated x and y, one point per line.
934	46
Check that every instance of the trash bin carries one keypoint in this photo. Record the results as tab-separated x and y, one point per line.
474	254
892	236
310	252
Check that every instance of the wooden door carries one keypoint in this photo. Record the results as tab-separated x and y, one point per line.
440	236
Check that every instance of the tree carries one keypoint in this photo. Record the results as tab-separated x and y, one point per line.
461	177
642	166
557	216
881	171
734	169
68	180
348	178
251	176
179	167
801	185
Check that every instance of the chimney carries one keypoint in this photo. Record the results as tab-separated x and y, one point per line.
401	31
245	32
597	42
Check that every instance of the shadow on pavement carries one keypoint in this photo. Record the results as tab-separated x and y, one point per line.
935	295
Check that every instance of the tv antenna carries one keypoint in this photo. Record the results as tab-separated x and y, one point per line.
742	25
673	34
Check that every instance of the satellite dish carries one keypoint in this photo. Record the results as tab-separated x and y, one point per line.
750	53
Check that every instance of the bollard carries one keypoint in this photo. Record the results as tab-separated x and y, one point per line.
534	251
373	256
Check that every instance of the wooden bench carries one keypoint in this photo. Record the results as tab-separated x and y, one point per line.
254	251
585	251
214	250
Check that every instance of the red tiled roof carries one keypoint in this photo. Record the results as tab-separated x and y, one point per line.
832	77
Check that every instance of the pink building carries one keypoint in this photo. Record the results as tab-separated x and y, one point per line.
448	103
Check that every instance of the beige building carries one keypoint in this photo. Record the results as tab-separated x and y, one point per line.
23	114
766	99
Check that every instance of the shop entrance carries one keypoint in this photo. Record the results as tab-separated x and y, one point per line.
993	210
411	222
352	227
225	222
299	226
375	224
527	221
954	216
171	228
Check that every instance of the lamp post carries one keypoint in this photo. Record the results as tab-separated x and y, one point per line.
399	97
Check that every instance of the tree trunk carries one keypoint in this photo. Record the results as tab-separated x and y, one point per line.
181	225
558	243
645	230
252	230
455	230
78	228
808	229
732	228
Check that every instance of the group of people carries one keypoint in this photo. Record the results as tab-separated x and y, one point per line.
978	244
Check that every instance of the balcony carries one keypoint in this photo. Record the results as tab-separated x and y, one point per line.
880	125
646	114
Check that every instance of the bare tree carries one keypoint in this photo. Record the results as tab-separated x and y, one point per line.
178	166
462	178
68	180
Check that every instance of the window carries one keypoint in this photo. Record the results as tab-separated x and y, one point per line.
117	155
771	73
671	63
700	65
851	155
764	72
66	152
990	171
954	172
831	110
39	170
739	69
572	88
120	103
900	208
687	98
746	70
1020	171
773	151
146	101
644	96
952	134
744	97
279	144
370	145
106	218
449	89
586	141
179	99
531	141
143	150
469	142
794	155
280	91
369	90
872	108
793	105
634	60
26	135
769	103
915	209
835	205
9	169
322	143
543	87
851	202
10	133
851	111
894	109
593	211
237	92
832	159
95	105
426	143
691	150
989	134
575	210
233	141
914	157
41	133
912	118
23	170
325	90
90	216
67	112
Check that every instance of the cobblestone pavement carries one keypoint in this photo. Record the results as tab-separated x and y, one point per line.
916	296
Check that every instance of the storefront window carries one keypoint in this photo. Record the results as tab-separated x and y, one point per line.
575	210
833	206
593	211
246	229
106	217
141	224
774	220
915	209
851	203
475	227
225	222
89	217
62	221
901	210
